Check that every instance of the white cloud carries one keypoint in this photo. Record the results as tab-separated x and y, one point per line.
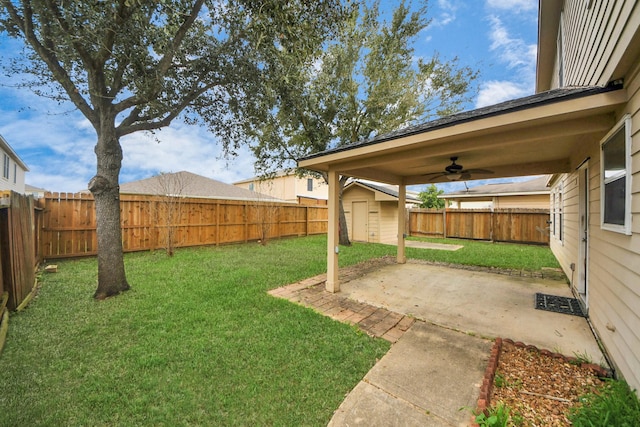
58	149
494	92
519	58
512	51
513	5
181	147
447	13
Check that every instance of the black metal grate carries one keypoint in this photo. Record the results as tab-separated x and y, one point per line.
559	304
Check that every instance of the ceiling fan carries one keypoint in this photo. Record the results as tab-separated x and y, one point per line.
456	172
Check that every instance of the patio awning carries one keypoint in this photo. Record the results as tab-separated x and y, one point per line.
538	134
546	133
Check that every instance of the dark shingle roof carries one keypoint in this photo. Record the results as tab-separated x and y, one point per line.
538	99
391	190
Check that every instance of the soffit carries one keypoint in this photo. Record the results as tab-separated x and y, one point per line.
521	137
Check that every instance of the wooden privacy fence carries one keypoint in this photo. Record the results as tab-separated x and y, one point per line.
19	219
500	225
156	222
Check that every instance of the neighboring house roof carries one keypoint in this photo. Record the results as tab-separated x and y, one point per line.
7	149
539	99
187	184
531	187
31	189
390	190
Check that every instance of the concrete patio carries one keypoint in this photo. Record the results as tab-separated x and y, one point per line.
442	321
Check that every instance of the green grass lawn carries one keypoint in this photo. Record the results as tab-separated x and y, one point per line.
488	254
196	341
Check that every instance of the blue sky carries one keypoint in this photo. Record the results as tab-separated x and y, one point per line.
498	37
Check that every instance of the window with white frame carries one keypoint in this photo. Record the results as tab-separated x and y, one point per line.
5	169
553	213
615	188
557	213
15	173
309	184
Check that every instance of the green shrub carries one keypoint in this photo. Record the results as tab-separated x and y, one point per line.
613	405
498	416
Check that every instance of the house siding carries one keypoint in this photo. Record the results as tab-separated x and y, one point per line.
537	201
16	179
614	258
388	222
593	39
599	47
359	194
382	213
287	187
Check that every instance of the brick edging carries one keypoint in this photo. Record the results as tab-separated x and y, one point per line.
484	399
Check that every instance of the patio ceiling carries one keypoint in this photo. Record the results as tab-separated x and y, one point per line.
544	133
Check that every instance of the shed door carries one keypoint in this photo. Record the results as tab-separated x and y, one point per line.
360	221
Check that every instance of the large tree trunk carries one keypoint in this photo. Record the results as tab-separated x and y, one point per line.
106	192
343	231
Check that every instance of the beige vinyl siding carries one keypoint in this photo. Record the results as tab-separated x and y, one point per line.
15	180
359	194
288	187
614	258
594	38
536	201
388	222
375	222
320	188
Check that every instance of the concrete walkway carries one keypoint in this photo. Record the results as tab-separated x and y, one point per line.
442	321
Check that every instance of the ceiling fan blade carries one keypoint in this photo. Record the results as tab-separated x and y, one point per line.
434	175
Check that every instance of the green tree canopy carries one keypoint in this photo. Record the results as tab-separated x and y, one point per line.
367	81
136	65
429	197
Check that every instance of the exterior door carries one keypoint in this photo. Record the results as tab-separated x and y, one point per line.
583	229
360	221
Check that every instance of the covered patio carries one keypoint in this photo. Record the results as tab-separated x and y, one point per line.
545	133
441	321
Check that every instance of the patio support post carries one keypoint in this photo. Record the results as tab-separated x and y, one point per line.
402	203
332	284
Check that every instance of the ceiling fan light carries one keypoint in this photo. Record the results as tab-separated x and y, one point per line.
454	176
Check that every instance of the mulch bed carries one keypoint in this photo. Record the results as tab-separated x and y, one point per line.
537	385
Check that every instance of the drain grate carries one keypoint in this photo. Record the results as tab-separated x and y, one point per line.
559	304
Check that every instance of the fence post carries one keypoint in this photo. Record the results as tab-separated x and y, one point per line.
306	229
444	223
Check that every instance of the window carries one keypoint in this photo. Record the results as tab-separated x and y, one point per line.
15	173
251	186
5	169
559	213
309	184
556	212
615	188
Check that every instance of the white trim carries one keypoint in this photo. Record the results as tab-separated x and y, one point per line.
626	228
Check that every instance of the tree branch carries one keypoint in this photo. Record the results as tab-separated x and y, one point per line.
26	25
132	123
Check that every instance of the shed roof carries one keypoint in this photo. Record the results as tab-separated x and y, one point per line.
389	190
